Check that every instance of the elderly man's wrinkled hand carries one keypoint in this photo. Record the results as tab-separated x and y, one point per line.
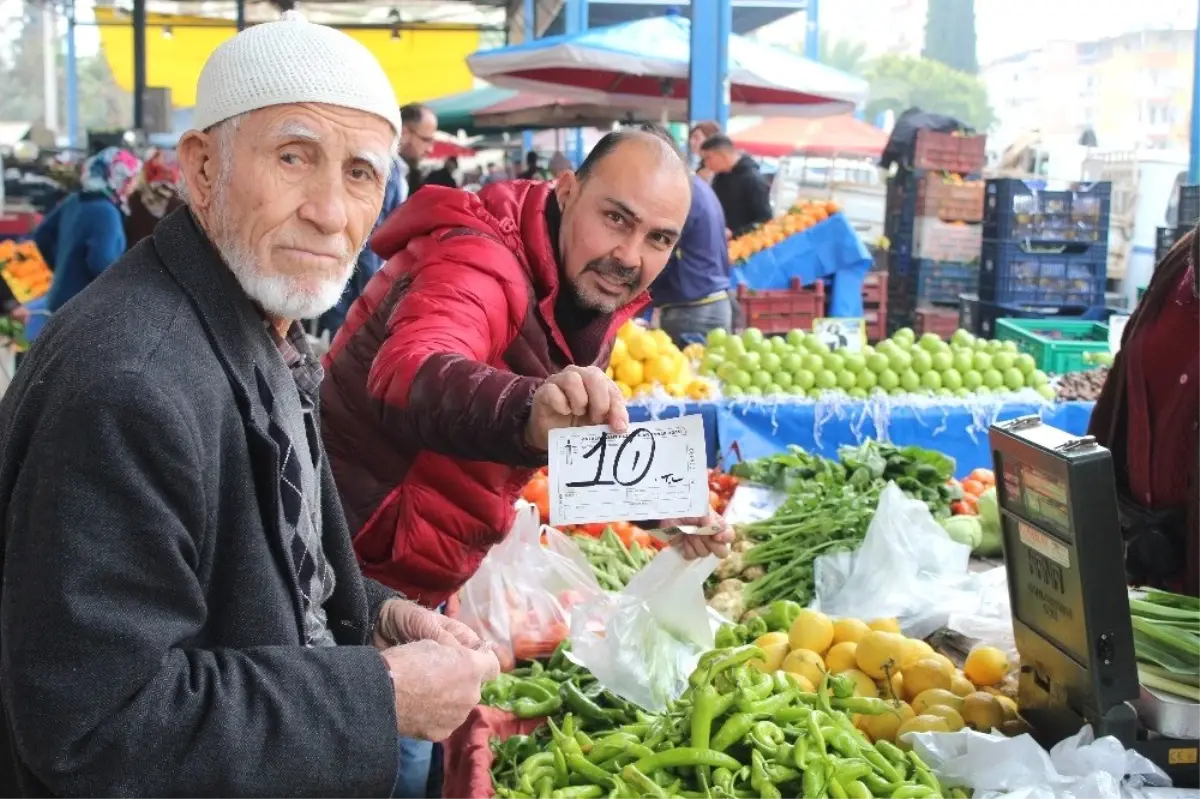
578	395
435	686
404	622
699	546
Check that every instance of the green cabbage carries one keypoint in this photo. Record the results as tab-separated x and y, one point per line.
989	519
964	530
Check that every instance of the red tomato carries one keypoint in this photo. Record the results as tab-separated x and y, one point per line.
985	476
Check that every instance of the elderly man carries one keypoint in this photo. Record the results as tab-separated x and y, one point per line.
489	325
181	609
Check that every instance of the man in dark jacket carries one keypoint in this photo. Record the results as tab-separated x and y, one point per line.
692	293
181	612
489	325
444	175
742	191
1148	415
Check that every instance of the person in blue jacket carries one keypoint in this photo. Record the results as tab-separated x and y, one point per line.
368	262
692	293
85	233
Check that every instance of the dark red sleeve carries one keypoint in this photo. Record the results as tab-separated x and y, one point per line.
431	376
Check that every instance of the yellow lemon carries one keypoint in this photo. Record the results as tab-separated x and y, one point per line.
863	685
642	347
936	696
631	373
771	638
644	390
698	390
841	657
981	711
951	716
960	685
660	369
662	339
915	649
625	390
878	654
620	352
920	724
630	330
803	683
676	390
609	373
924	675
806	663
883	727
851	630
775	653
812	630
885	625
986	665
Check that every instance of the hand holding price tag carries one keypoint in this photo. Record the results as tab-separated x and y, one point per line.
656	470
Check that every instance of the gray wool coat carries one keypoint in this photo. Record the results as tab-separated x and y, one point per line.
150	616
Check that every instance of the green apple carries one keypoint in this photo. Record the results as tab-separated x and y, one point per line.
931	381
972	380
846	380
795	337
826	379
889	380
716	337
804	379
992	379
867	380
1026	363
1014	379
952	379
922	361
771	362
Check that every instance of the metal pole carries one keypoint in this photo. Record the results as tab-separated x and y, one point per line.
576	12
529	9
724	32
50	69
240	11
139	64
708	68
812	30
1194	149
72	80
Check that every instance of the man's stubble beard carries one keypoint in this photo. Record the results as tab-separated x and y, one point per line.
278	296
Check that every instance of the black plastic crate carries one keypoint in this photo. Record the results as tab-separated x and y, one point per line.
1018	209
1189	206
1164	240
938	282
1025	274
984	314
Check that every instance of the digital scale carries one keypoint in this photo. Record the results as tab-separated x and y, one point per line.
1065	561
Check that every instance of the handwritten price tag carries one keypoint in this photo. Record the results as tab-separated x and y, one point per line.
658	470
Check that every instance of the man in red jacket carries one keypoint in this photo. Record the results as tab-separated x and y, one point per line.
490	325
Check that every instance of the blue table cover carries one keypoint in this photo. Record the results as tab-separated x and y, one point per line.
829	248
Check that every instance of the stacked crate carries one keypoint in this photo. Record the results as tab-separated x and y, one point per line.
874	294
1187	216
1045	251
777	311
934	207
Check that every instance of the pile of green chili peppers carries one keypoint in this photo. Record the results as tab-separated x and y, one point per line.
736	733
534	691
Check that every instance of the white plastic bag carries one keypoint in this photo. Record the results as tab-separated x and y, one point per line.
1018	768
643	643
907	567
520	599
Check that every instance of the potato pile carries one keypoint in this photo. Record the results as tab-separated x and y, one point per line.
1082	385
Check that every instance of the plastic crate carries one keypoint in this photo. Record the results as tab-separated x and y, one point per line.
935	240
988	314
1025	274
781	310
875	304
949	153
968	312
1164	240
916	280
942	322
18	224
948	200
1018	209
1189	206
1058	345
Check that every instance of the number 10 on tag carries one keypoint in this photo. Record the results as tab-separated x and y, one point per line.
657	470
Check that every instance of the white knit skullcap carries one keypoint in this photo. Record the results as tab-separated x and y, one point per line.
291	61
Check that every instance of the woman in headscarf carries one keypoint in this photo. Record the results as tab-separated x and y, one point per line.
85	233
155	195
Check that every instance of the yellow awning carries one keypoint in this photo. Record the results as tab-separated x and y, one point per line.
422	64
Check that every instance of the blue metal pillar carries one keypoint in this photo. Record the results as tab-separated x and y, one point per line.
529	9
72	69
812	30
1194	142
708	73
575	15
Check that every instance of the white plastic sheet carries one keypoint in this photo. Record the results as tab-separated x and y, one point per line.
1081	767
643	643
907	567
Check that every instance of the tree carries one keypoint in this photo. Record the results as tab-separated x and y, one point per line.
950	34
843	54
902	82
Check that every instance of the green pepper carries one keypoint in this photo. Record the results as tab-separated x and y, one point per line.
585	743
727	637
735	728
588	770
544	787
857	790
727	660
703	712
686	756
959	793
559	658
578	792
836	790
818	739
781	615
841	686
759	779
797	714
893	753
756	628
754	685
561	775
767	707
841	741
578	703
535	701
914	792
823	696
879	786
814	780
866	705
800	752
852	768
885	768
922	773
538	761
643	784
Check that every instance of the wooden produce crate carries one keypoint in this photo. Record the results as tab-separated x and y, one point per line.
781	310
950	201
935	240
948	152
941	321
874	294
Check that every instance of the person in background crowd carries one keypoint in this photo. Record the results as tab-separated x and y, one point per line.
700	133
559	166
85	233
155	196
494	174
739	186
444	175
489	325
1148	416
533	169
182	610
692	293
416	140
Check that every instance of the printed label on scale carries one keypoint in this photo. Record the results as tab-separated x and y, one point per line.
1040	542
657	470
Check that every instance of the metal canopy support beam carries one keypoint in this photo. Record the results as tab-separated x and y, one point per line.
812	30
139	64
240	11
529	12
72	69
708	74
576	18
1194	142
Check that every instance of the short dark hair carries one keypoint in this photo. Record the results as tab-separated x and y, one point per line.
707	127
451	162
531	159
610	141
413	113
717	142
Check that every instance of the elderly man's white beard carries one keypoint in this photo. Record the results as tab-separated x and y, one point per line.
277	295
